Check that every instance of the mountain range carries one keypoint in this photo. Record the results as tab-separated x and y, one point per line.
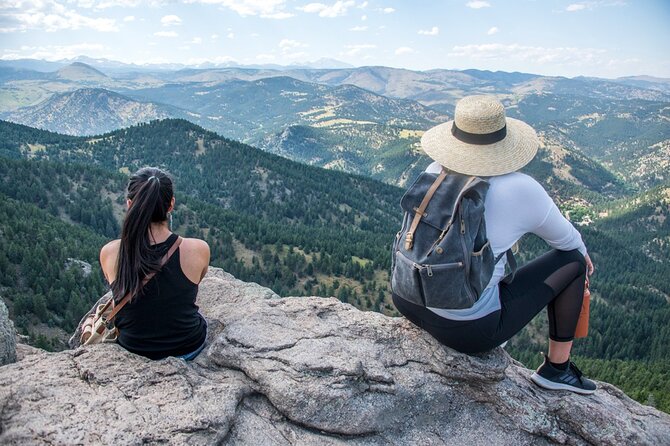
122	67
365	120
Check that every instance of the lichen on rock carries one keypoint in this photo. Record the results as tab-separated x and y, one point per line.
304	370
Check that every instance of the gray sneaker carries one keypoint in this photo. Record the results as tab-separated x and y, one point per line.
571	379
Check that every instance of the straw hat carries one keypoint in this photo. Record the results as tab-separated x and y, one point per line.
481	140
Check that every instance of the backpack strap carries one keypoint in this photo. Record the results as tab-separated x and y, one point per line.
511	261
457	205
147	278
421	210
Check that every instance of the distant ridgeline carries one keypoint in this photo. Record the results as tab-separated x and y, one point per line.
364	120
302	230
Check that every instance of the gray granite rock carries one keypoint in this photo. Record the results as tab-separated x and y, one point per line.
304	371
7	337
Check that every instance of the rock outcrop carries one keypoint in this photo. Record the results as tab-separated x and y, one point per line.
7	337
304	371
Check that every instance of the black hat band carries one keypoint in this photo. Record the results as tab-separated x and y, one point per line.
478	138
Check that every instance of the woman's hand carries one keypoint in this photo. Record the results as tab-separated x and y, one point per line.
589	265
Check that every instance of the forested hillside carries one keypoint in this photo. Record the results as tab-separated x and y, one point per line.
302	231
630	136
89	111
299	229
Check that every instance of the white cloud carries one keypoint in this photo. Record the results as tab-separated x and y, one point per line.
312	7
170	20
214	36
354	50
231	35
403	50
478	4
106	4
493	30
363	5
278	15
55	22
166	34
85	3
590	5
364	18
359	28
541	55
48	15
388	10
196	40
267	9
54	52
290	49
434	31
337	9
575	7
129	18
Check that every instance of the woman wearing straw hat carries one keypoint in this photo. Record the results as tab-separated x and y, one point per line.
481	141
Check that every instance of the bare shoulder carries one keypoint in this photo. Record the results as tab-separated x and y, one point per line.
195	246
194	258
195	250
111	249
108	255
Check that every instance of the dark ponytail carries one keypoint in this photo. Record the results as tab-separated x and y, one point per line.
150	191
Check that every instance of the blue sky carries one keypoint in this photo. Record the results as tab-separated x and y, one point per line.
606	38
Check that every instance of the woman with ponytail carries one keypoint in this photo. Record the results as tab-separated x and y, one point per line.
161	318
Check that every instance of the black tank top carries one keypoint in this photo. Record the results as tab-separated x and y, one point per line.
164	319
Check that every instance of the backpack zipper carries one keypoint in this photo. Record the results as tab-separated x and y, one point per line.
429	268
439	239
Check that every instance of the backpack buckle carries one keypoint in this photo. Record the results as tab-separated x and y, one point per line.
409	241
418	211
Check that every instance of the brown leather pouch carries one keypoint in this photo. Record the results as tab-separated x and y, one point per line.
583	323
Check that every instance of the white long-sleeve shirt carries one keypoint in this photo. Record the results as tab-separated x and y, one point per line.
515	204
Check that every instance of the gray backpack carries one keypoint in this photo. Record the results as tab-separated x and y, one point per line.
441	256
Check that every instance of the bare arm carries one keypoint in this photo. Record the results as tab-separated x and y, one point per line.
108	257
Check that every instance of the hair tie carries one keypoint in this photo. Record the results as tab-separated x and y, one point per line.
153	177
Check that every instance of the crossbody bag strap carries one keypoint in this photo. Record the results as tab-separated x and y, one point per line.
146	280
421	210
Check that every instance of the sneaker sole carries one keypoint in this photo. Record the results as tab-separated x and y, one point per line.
546	384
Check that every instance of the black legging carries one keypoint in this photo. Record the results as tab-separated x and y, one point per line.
555	280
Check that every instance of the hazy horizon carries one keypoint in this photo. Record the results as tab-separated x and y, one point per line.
601	38
205	65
